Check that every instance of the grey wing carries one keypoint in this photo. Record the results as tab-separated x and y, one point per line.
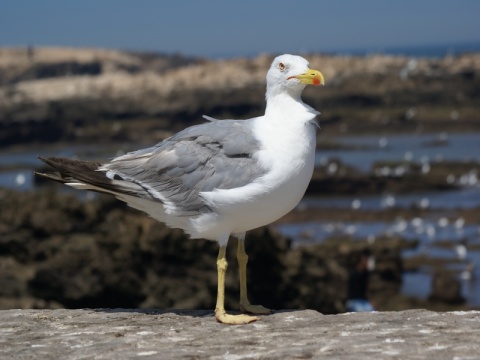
217	155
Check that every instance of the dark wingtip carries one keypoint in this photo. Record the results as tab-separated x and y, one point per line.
50	176
44	159
41	174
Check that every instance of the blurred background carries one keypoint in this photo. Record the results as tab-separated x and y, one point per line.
394	203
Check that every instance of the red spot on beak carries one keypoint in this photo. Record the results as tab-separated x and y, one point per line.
316	81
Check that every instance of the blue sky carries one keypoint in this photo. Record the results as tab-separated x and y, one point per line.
216	28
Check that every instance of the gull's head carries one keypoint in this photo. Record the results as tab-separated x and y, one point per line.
290	74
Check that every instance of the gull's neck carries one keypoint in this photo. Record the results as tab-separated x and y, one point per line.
275	90
288	106
281	101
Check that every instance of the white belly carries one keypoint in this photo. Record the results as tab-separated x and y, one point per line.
273	203
267	199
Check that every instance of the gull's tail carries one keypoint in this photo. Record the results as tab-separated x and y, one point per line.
85	175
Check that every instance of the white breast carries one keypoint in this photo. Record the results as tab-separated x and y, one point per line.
288	152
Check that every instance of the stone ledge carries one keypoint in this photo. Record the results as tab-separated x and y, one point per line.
126	333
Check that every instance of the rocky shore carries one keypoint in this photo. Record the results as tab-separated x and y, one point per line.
287	334
59	251
92	95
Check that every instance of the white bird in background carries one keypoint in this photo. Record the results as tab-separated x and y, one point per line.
221	178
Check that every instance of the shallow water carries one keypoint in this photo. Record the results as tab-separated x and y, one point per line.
362	152
429	231
464	197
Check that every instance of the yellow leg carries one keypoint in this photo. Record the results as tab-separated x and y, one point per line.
245	305
220	313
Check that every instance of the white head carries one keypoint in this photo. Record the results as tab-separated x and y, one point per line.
290	74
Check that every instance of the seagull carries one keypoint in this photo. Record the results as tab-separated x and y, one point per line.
221	178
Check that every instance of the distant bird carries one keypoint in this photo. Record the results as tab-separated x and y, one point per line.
468	274
220	178
461	251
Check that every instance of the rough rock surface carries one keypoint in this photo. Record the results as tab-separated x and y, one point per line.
125	334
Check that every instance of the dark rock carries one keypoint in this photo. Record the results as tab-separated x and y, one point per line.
446	288
148	92
100	253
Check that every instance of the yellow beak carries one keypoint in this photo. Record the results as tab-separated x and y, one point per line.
310	77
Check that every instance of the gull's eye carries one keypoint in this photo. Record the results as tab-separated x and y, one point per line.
281	66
